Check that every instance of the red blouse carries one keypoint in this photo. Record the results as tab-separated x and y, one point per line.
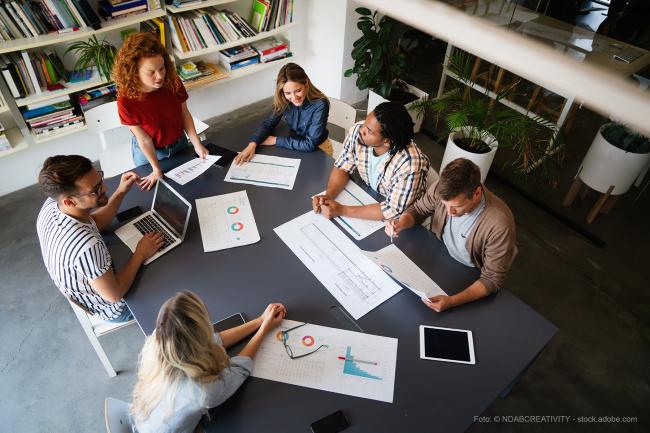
159	113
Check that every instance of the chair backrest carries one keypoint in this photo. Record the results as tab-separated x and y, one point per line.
115	138
96	325
341	114
117	417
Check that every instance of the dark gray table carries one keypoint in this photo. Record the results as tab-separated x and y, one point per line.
429	396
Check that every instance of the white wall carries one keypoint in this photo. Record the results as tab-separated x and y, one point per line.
330	33
321	44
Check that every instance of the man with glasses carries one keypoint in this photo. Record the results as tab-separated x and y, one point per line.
69	226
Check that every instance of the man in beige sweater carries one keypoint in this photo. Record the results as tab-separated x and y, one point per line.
476	226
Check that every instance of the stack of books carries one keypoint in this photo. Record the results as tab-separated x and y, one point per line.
184	3
52	117
30	73
111	9
160	28
4	141
196	75
238	57
271	14
271	49
26	19
205	28
94	97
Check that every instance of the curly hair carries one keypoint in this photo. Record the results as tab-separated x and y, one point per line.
396	125
136	47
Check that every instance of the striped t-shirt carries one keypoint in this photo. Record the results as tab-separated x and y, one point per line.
74	253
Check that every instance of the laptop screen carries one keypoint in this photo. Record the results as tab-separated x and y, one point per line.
171	208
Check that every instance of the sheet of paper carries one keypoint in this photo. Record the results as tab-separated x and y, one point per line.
226	221
353	195
264	170
361	365
191	169
352	278
397	264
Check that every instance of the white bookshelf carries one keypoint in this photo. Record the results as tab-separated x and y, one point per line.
244	72
17	141
262	35
198	5
84	32
4	109
95	80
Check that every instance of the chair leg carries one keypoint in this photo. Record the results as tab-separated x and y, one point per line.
96	345
599	204
573	192
609	205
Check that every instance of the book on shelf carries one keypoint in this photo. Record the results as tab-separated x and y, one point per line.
4	140
30	18
160	28
270	14
183	3
92	98
207	73
54	118
240	64
30	73
235	54
206	28
109	11
271	49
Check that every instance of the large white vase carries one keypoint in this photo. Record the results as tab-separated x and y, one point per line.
606	165
483	160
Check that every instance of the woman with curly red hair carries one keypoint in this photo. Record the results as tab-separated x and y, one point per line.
151	101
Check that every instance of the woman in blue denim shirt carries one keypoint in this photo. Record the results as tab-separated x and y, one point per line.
305	109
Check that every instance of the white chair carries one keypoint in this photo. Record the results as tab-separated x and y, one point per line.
94	328
342	115
117	416
115	138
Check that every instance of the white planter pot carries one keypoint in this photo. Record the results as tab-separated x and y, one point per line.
606	165
483	160
375	99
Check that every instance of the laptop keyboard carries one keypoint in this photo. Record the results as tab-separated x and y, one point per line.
149	224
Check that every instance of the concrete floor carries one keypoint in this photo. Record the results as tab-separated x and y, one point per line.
597	364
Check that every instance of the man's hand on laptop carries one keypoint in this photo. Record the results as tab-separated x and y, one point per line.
126	182
149	245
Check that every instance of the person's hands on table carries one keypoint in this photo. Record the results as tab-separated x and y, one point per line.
247	154
149	244
272	316
148	182
317	201
201	151
331	209
439	303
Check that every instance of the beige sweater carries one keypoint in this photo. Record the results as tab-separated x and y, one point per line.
492	241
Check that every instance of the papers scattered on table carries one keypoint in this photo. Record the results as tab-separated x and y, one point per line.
191	169
353	195
397	264
352	363
352	278
226	221
264	170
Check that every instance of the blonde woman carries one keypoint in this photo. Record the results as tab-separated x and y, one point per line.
304	108
184	369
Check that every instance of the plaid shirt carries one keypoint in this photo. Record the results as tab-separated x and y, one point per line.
403	178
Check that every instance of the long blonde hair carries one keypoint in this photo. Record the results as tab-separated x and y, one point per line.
293	72
182	346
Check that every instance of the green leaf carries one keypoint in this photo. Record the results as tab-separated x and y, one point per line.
363	11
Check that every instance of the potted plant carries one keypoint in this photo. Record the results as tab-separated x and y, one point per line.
617	157
379	63
100	54
477	125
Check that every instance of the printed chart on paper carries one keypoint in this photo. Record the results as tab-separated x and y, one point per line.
397	264
353	195
265	170
191	169
226	221
350	363
351	277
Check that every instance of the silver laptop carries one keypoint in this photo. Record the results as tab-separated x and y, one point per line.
169	214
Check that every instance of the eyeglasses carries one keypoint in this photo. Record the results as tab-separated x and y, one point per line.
284	336
97	190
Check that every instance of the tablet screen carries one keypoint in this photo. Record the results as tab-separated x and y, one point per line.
444	344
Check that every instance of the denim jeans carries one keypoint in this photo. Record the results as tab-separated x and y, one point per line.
167	152
124	317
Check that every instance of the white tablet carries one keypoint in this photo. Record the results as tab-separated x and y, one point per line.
446	344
